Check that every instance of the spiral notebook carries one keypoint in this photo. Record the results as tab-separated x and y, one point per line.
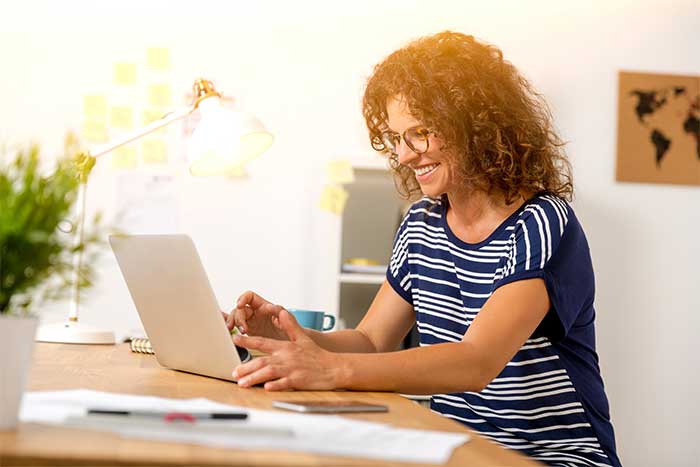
141	345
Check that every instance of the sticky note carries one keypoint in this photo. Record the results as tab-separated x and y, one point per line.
94	132
122	118
158	58
333	199
153	151
340	171
159	95
95	107
125	73
151	115
236	171
124	157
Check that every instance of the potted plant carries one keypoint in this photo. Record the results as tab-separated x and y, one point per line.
36	249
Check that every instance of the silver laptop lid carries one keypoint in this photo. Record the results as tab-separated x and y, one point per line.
175	301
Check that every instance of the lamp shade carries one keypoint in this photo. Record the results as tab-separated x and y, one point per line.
225	139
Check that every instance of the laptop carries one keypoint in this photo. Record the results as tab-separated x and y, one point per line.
177	306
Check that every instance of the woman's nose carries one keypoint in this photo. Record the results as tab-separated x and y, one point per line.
405	154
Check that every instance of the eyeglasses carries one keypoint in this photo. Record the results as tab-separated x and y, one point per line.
416	138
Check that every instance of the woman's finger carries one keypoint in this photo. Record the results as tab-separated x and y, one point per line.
263	375
262	344
241	316
254	365
282	384
251	299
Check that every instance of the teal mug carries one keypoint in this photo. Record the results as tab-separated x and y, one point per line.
313	319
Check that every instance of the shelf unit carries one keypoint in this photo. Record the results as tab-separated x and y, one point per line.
357	278
367	230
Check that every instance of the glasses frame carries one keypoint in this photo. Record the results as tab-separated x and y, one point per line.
402	136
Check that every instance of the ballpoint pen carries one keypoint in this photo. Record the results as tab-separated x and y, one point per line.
172	416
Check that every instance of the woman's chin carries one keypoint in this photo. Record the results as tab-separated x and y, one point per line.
431	192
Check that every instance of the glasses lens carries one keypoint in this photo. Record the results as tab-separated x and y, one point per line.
417	139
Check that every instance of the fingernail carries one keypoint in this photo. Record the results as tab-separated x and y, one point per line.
234	374
243	382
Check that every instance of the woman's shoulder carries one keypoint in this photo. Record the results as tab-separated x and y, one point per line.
545	212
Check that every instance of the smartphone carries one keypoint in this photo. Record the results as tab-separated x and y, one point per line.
329	407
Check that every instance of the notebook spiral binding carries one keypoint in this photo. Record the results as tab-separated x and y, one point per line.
141	345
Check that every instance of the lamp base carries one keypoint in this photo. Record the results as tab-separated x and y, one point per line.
73	333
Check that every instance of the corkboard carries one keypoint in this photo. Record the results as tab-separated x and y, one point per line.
658	129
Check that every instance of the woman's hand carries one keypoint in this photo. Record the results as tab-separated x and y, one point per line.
297	364
255	316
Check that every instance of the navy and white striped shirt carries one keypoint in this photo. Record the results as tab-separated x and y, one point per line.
549	401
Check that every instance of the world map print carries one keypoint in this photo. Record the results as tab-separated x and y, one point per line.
650	101
658	128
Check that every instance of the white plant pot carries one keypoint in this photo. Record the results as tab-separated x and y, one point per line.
16	345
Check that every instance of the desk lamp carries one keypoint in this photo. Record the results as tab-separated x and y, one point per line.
223	141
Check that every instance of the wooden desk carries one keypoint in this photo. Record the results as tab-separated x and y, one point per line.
116	369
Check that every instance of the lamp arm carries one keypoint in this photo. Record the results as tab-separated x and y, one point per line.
141	132
85	162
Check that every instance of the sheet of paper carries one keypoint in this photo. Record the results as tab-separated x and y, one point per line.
321	434
125	74
158	58
333	199
340	172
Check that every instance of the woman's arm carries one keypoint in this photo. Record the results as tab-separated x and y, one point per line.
382	329
505	322
384	326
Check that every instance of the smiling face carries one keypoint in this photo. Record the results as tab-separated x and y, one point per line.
434	168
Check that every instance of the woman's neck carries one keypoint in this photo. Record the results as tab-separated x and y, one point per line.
474	215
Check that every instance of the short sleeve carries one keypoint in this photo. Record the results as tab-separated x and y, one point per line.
548	243
398	274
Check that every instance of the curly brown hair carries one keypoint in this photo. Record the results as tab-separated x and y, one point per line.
478	104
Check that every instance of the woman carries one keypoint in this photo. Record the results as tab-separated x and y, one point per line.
491	263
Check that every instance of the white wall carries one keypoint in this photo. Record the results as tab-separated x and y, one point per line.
301	67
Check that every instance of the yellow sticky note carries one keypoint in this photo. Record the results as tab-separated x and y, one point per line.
158	58
122	118
153	151
125	73
333	199
124	158
340	172
95	107
159	95
94	132
236	171
151	115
